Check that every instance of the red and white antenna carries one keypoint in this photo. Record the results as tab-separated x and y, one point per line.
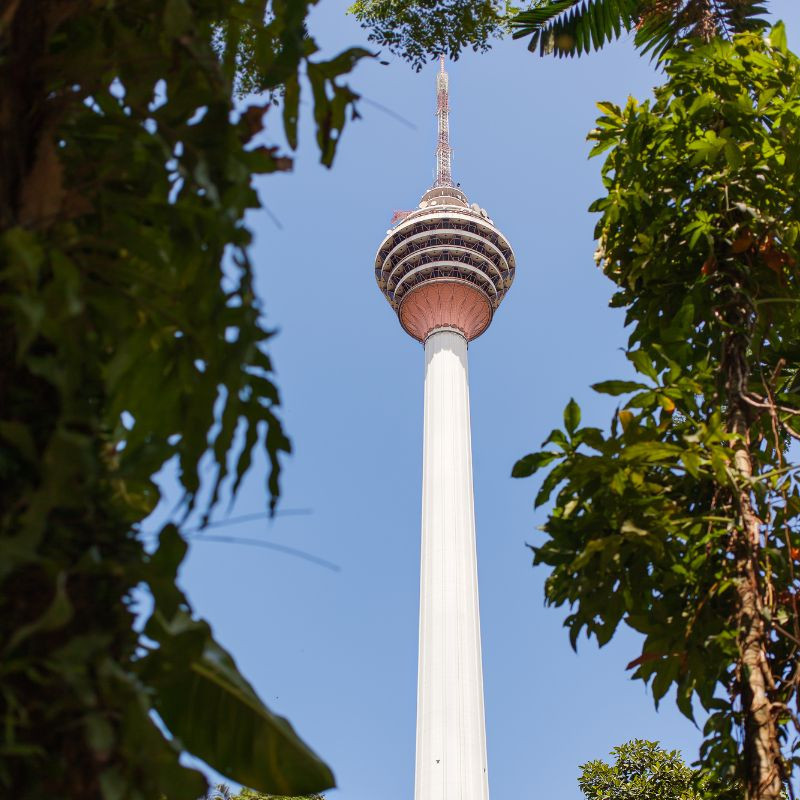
444	153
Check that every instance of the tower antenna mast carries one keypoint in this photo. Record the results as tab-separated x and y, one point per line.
444	153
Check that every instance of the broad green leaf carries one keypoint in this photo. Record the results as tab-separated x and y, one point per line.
214	712
777	37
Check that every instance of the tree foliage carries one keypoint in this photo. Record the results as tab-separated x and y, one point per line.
573	27
131	339
641	770
423	29
683	519
223	792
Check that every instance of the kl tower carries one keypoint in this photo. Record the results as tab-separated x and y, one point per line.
445	268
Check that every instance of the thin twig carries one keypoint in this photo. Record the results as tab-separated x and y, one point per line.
388	111
281	548
785	633
748	398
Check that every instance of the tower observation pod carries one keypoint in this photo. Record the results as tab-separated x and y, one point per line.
445	269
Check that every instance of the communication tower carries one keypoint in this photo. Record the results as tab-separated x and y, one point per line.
445	268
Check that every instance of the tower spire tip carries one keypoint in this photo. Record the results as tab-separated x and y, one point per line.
444	175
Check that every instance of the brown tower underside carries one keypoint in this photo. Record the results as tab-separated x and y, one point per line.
440	304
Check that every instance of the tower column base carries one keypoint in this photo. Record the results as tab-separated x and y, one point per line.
451	736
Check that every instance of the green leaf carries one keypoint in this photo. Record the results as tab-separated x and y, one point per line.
177	17
733	155
616	388
643	363
593	437
650	451
777	37
291	110
532	463
765	97
550	482
557	437
58	614
572	416
691	461
162	571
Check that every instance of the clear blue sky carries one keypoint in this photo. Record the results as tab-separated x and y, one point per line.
336	652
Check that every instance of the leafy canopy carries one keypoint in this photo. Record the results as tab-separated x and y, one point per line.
223	792
641	770
131	339
423	29
683	519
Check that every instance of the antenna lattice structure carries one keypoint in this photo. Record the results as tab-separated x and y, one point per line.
444	153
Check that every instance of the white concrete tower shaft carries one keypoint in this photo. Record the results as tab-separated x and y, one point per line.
445	268
451	733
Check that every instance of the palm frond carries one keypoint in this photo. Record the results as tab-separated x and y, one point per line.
573	27
541	15
745	15
660	30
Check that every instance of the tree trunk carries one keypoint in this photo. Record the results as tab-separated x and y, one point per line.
762	754
22	92
763	763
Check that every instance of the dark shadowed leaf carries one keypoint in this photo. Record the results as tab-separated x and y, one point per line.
616	388
531	463
572	416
